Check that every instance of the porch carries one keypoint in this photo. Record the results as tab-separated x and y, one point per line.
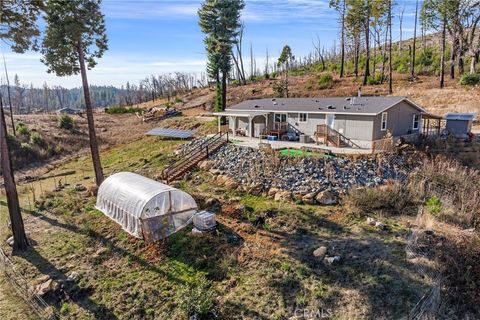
253	124
257	143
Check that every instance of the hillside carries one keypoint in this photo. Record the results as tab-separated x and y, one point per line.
453	98
404	247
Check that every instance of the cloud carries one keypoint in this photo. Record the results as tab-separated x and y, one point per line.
150	9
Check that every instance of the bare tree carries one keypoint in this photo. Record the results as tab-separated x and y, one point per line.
400	18
412	67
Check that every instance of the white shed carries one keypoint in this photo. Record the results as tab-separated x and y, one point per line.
145	208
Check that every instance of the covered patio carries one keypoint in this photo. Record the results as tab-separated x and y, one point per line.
432	124
244	123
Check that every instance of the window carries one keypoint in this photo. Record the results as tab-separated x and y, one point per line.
280	117
416	121
384	122
302	117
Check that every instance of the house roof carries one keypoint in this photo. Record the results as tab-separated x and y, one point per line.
337	105
461	116
240	113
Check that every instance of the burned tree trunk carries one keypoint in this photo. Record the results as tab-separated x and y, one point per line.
20	241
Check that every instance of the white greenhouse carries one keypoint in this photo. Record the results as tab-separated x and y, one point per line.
145	208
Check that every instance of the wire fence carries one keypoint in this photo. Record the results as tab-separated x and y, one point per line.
420	251
22	288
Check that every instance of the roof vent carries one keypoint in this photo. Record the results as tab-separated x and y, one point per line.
275	103
256	106
320	108
330	107
345	108
274	99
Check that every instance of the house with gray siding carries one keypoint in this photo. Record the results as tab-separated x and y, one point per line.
354	121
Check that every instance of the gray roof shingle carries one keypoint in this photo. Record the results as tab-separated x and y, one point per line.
361	105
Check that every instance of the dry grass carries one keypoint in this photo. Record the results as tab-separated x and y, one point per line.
456	186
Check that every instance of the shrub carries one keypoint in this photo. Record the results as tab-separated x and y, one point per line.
325	81
37	139
22	129
25	148
196	299
375	80
393	199
470	79
434	205
65	122
121	110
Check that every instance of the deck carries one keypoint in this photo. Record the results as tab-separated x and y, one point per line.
278	145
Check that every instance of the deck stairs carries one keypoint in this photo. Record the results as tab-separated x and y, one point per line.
193	156
333	137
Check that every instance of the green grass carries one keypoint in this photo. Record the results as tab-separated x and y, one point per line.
258	265
300	153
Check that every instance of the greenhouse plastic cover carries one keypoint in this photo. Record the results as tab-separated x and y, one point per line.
145	208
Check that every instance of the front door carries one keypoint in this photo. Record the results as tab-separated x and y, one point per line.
330	121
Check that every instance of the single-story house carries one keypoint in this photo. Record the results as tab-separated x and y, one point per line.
351	121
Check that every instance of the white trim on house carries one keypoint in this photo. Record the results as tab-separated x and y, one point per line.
281	114
312	112
418	122
384	121
300	118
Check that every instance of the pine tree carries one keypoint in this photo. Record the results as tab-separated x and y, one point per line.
285	60
220	21
74	38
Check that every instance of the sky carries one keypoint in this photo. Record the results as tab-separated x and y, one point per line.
162	36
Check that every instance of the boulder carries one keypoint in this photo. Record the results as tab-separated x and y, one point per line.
221	179
326	198
309	198
332	260
213	205
10	241
379	225
80	187
73	276
206	164
272	192
92	190
230	183
215	171
284	196
256	189
320	252
46	287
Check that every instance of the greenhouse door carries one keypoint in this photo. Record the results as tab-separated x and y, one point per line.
156	228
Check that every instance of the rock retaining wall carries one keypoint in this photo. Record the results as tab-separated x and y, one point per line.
313	180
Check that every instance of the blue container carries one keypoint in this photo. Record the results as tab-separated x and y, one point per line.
272	138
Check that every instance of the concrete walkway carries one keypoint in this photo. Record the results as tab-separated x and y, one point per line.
277	145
